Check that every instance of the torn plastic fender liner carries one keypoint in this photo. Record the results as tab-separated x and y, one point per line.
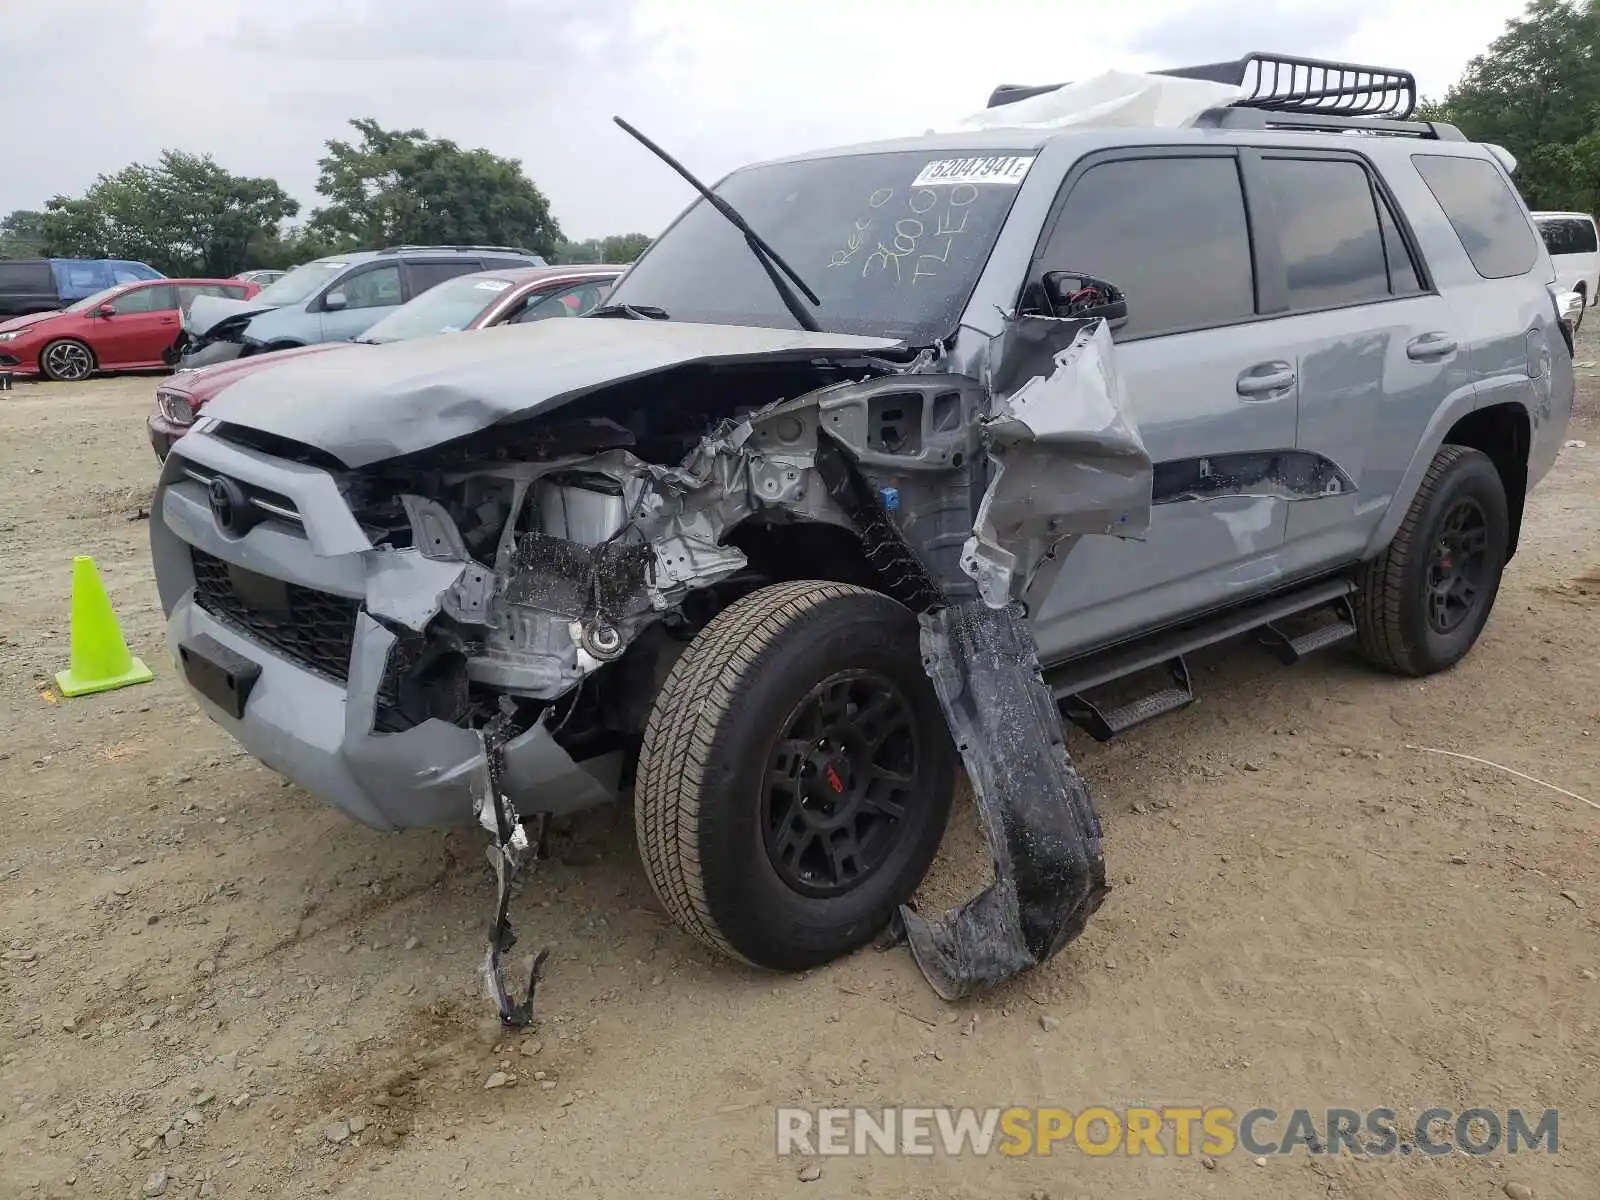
1067	455
1041	825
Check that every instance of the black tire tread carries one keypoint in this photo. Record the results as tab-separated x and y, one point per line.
701	688
1378	604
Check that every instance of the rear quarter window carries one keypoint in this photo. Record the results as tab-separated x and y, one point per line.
1568	235
26	277
1484	211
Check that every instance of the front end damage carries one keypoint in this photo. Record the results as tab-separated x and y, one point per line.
215	329
525	588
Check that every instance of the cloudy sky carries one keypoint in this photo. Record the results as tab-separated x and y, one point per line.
719	82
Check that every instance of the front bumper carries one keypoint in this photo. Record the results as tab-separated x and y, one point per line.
210	354
164	434
308	724
19	360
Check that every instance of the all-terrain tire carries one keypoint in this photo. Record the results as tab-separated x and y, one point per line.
702	788
1392	606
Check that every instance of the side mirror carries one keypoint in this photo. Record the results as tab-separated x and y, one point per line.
106	310
335	300
1073	294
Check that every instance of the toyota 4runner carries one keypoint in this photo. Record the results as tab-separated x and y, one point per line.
879	463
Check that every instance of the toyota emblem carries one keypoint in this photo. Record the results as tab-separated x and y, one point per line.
228	503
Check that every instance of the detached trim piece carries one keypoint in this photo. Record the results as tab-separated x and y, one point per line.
1042	828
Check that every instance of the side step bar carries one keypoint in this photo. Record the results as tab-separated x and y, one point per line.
1072	679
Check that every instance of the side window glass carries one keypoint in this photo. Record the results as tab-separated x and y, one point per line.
188	291
1404	278
1333	247
1485	213
425	275
1170	232
572	301
139	300
377	288
1568	235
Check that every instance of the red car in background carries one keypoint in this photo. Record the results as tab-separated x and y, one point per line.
476	301
126	327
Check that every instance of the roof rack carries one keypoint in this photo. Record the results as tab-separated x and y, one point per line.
497	249
1284	91
1285	83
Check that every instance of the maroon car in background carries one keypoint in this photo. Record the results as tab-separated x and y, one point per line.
127	327
476	301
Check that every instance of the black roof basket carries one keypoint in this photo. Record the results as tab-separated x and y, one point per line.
1284	83
1287	84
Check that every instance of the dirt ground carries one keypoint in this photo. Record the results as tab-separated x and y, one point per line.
213	985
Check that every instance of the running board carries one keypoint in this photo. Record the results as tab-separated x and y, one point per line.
1290	647
1075	677
1103	724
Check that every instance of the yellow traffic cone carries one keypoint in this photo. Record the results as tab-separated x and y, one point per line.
100	658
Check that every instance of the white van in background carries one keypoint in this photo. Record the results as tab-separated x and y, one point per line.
1573	247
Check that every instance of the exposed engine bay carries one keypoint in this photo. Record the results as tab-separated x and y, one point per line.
574	554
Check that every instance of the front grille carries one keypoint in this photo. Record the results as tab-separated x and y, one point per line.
174	407
274	504
312	628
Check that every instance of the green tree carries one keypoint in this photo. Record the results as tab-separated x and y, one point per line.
572	253
401	186
185	216
623	247
20	236
1536	91
618	248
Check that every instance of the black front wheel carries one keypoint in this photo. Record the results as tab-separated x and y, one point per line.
796	775
1425	600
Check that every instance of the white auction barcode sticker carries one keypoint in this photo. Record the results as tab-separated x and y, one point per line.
1008	169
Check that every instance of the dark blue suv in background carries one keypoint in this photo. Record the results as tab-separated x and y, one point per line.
32	285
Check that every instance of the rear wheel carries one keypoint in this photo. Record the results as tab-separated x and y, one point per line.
796	775
66	360
1583	311
1424	601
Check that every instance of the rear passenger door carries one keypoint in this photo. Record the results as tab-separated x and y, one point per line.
1212	387
1377	351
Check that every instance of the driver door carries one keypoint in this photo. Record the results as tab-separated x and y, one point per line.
369	292
1211	388
141	330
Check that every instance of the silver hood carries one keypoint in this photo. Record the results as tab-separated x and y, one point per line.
205	313
408	396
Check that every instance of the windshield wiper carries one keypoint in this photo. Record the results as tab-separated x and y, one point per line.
771	261
634	312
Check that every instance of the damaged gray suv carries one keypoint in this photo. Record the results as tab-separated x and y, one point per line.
878	464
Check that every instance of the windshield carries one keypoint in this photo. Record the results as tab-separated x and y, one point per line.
298	283
893	243
104	296
447	307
